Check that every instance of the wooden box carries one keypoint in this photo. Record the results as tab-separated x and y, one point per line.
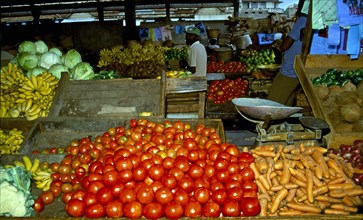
60	132
108	98
185	95
315	66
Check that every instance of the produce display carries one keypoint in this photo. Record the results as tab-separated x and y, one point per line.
153	170
177	74
340	78
139	62
176	53
35	58
352	154
299	180
226	67
23	96
221	91
253	58
342	101
10	141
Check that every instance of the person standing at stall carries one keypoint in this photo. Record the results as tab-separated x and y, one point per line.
286	83
197	55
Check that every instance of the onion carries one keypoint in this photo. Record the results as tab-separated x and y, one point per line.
358	179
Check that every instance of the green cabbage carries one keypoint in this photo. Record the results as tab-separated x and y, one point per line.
36	71
57	69
49	59
27	46
71	58
82	71
27	61
56	50
41	47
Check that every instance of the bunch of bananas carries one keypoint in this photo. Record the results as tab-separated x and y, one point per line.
42	178
140	61
21	96
10	141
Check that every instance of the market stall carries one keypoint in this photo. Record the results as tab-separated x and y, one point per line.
83	141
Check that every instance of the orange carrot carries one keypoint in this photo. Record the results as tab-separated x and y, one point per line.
288	148
265	148
279	164
344	208
355	192
317	182
263	204
290	213
285	177
357	170
316	192
255	170
329	199
309	185
323	150
336	181
298	174
298	182
261	164
291	186
343	186
335	212
333	164
348	201
338	193
264	182
318	171
299	165
277	199
264	153
290	196
304	207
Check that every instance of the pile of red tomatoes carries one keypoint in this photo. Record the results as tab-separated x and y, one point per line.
155	170
226	67
221	91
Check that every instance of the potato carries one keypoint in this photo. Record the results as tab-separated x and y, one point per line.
351	112
349	87
348	97
322	91
360	89
358	126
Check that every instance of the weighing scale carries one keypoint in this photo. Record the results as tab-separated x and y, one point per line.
272	126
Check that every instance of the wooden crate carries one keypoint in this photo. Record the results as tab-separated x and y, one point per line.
109	97
315	66
60	132
185	95
19	123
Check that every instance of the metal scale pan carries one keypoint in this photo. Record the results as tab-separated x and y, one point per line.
264	111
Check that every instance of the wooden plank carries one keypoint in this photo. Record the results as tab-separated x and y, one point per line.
184	85
201	112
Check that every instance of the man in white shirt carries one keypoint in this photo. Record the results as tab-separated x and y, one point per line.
197	55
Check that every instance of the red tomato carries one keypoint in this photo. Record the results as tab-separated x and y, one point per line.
182	163
169	181
114	209
212	210
249	184
156	172
145	194
79	194
246	157
231	209
38	205
47	197
95	211
190	143
123	163
220	196
235	193
173	211
110	177
250	206
193	209
222	175
75	208
66	197
187	184
163	195
126	176
127	195
181	197
133	210
104	195
139	173
94	186
247	174
195	171
202	195
153	210
90	199
56	190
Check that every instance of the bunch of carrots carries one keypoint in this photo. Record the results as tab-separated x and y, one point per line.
301	180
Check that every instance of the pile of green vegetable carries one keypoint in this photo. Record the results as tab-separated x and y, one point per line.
176	53
35	58
339	77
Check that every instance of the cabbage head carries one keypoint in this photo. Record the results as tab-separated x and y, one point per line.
82	71
71	58
36	71
27	61
27	46
41	47
49	59
56	50
57	69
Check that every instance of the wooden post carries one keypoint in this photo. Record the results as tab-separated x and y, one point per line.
307	35
130	18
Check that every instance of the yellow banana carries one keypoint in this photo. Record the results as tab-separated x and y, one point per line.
35	111
28	105
31	117
19	164
28	163
3	111
41	185
10	139
47	185
34	82
14	113
40	178
42	173
6	82
10	79
35	165
29	83
8	166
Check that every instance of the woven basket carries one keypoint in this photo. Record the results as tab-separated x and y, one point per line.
213	33
224	53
